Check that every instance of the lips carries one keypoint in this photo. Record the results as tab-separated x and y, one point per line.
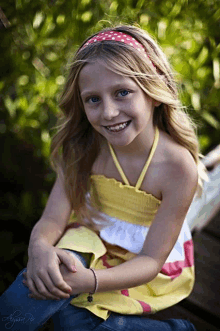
117	127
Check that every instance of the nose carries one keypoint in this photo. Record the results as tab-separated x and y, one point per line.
110	109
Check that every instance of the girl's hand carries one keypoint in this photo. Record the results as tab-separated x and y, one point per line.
43	276
83	281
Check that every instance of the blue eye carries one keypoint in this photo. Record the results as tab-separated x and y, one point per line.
94	99
123	93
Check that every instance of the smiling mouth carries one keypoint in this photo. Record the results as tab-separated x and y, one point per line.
117	127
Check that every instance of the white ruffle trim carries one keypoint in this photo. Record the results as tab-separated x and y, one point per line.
132	236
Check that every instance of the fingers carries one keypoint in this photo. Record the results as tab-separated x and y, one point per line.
60	284
67	259
34	293
46	289
45	281
57	286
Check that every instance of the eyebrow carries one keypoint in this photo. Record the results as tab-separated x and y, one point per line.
114	87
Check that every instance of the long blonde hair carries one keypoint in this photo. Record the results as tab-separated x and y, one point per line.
76	144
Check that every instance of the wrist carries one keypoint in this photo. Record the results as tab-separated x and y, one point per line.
95	286
46	231
36	244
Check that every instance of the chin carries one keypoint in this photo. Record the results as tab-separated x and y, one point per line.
122	143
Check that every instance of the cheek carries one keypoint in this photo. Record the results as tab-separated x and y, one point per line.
91	117
88	114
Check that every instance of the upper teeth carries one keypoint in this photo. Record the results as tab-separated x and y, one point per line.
117	127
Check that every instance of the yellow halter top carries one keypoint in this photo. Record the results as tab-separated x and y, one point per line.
124	201
129	204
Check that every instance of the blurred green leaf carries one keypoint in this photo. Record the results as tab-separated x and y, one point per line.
204	141
216	72
23	80
211	120
10	105
60	19
195	98
38	19
18	4
2	84
52	56
87	16
85	2
113	7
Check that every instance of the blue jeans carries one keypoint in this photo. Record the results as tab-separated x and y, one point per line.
21	313
78	319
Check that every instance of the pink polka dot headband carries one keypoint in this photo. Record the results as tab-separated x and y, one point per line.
117	36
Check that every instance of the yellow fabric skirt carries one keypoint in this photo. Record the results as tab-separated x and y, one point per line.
162	292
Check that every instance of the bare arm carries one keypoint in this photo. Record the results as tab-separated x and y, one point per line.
179	187
52	223
43	274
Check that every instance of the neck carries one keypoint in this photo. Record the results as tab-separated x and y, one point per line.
140	146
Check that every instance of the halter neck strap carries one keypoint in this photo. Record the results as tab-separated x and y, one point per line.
143	173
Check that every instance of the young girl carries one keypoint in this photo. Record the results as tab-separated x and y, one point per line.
127	161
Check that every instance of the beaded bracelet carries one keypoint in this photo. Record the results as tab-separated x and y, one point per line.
90	297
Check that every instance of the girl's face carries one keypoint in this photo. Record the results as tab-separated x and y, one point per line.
115	105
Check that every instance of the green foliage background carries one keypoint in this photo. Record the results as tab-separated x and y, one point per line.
37	41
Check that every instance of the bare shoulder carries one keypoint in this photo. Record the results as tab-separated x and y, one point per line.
175	157
177	181
178	168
